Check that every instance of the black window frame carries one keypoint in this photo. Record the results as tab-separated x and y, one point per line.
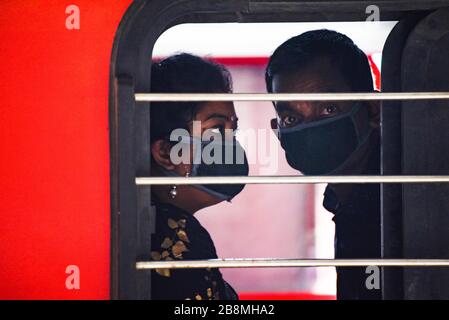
132	217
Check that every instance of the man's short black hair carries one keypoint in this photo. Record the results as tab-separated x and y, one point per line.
299	51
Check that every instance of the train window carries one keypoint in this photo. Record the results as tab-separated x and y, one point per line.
267	220
279	221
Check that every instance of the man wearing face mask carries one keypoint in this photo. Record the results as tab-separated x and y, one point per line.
333	138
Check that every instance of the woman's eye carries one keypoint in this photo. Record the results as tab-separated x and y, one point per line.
218	130
289	121
329	110
222	132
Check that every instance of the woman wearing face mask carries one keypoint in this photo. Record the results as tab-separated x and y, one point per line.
181	134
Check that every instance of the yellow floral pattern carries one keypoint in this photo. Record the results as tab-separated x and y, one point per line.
173	248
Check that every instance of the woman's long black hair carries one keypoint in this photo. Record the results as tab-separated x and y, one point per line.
183	73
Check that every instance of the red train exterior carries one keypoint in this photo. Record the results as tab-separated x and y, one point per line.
54	144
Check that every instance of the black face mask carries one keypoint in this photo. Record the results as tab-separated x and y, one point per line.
227	158
322	147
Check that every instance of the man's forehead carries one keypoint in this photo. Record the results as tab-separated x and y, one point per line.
316	77
303	83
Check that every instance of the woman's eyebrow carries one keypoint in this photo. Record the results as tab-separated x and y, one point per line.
217	115
283	106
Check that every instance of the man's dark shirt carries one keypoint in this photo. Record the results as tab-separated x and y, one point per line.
357	232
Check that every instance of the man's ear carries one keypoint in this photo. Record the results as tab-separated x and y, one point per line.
160	150
374	112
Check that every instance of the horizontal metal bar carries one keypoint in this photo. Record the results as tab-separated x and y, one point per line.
288	180
283	263
140	97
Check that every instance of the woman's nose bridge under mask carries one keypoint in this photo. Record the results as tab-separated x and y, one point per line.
322	147
217	157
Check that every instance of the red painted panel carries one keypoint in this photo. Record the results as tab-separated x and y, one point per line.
54	164
242	61
376	72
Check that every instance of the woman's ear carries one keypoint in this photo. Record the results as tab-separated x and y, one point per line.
374	112
275	127
160	150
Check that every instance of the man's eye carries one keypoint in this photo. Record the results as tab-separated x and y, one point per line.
288	121
329	110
